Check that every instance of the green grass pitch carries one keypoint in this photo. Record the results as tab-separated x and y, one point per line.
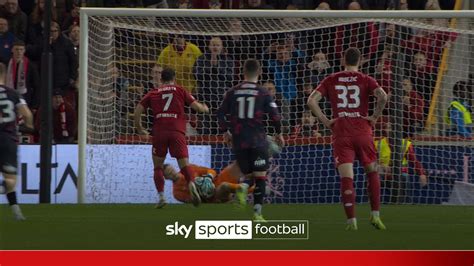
143	227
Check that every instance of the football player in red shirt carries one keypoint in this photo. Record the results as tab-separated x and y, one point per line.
168	103
348	92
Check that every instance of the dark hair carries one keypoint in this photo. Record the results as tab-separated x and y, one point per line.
18	43
352	56
251	67
459	87
168	74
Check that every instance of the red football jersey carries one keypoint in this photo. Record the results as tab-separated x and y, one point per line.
348	92
167	103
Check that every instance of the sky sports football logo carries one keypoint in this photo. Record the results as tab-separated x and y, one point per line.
270	230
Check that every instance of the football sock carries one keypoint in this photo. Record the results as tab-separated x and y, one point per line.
348	196
374	190
11	197
351	221
159	179
188	173
234	187
257	208
259	192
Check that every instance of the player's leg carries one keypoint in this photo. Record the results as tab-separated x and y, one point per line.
224	190
159	151
243	162
179	150
10	185
8	167
159	179
368	157
233	172
259	165
344	158
189	175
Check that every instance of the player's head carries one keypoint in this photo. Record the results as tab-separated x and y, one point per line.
170	173
252	68
3	72
352	57
168	75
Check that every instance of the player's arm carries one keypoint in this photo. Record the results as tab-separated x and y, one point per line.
194	104
275	118
137	118
313	103
381	97
199	107
25	112
222	112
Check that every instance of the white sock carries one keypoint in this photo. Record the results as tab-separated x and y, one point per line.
244	186
161	194
352	221
16	208
375	213
257	209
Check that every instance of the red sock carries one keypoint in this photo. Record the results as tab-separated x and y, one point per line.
159	179
373	188
348	196
188	173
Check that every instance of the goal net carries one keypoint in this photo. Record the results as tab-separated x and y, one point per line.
422	62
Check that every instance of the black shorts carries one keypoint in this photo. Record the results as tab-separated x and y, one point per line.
252	160
8	155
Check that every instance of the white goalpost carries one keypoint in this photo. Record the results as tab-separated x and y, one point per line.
422	58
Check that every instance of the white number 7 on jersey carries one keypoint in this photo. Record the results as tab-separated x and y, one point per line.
169	98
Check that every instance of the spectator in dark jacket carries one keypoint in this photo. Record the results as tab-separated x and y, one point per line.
6	41
65	63
74	35
35	23
22	75
64	60
214	72
17	20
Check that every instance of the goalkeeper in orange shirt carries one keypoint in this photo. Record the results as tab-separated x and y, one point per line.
212	187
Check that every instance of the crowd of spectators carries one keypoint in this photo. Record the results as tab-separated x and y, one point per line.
294	63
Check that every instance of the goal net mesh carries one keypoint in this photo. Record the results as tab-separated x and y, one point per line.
417	61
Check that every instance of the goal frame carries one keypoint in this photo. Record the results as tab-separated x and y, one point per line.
85	13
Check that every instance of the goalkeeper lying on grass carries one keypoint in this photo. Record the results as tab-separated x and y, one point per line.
213	187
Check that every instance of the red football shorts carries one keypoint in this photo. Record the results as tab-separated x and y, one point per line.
173	141
346	149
